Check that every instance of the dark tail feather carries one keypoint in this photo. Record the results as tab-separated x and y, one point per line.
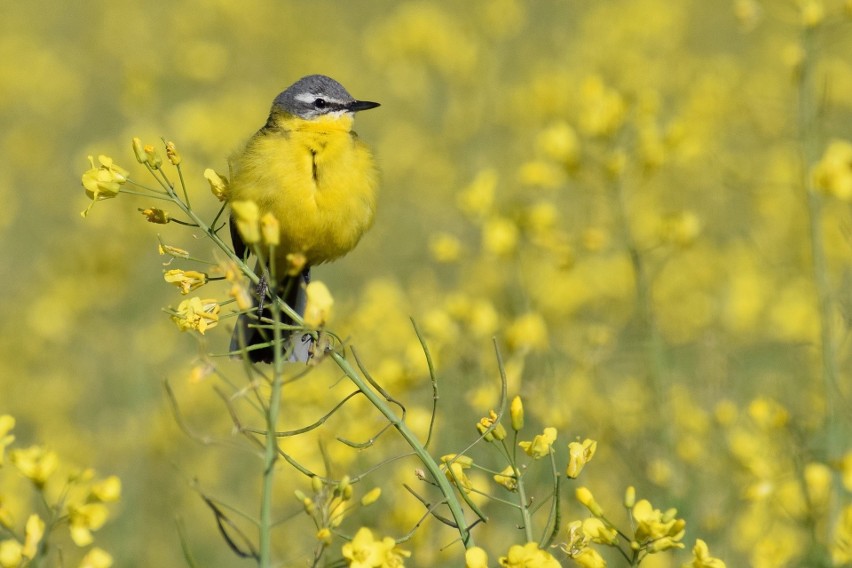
292	290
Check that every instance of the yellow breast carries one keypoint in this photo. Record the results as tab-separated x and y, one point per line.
318	180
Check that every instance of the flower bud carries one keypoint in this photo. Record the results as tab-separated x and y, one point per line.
630	497
585	497
152	157
580	454
318	305
371	496
475	557
218	184
324	536
247	218
270	229
172	154
156	216
516	411
139	151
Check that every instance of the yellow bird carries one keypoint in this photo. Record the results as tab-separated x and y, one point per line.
308	168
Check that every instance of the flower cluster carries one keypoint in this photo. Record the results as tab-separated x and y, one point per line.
74	498
648	249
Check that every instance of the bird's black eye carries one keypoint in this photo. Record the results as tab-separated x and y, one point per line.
320	103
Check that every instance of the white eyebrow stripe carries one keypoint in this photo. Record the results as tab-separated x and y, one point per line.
311	97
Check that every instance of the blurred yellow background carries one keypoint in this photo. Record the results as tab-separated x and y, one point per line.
616	190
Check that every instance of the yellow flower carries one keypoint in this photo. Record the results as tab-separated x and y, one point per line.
270	229
156	216
597	531
139	150
841	546
6	519
833	173
240	293
152	157
7	422
507	478
319	304
475	558
845	465
499	236
239	290
497	433
247	218
680	229
218	184
324	535
185	280
11	554
197	314
34	533
96	558
172	154
661	530
476	199
172	251
36	463
541	445
818	480
560	143
107	490
586	499
528	556
444	247
540	173
454	466
589	558
577	540
701	557
630	497
603	109
529	331
103	182
296	262
813	12
768	414
748	13
363	551
516	411
83	519
579	455
371	496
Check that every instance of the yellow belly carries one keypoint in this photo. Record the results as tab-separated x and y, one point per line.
319	183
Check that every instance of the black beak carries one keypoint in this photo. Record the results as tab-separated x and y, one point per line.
355	106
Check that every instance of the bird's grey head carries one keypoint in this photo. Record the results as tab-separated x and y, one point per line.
316	95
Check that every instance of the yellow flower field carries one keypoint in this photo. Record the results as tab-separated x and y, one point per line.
603	314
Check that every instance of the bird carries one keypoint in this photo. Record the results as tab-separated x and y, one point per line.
309	169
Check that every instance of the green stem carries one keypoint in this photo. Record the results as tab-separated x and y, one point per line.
425	458
271	453
644	301
809	148
809	154
525	510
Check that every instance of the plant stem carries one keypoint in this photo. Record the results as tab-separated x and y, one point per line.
525	510
809	153
425	458
651	339
271	453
